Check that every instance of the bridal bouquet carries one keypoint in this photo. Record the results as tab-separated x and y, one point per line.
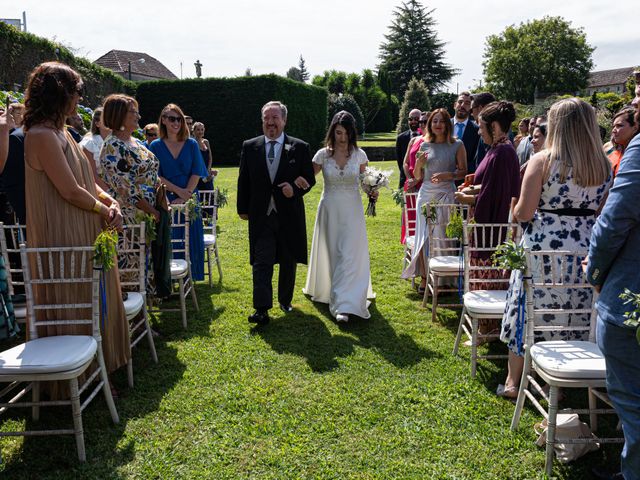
371	181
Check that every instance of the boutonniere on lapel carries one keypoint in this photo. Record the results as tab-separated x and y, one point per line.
289	149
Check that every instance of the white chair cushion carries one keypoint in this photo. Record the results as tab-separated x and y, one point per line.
445	263
48	355
569	359
485	302
209	239
179	267
133	304
410	241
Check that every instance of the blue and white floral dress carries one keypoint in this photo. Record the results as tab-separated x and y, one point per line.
551	231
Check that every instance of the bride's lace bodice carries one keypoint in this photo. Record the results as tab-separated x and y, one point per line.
340	179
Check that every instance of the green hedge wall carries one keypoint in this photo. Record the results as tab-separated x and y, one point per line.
230	108
21	52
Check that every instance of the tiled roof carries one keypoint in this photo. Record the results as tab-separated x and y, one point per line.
118	61
604	78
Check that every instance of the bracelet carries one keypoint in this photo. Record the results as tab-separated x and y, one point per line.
97	207
103	195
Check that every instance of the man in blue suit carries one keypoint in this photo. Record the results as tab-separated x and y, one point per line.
613	265
464	127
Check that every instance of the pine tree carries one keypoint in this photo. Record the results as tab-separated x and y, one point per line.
412	49
304	73
294	74
416	96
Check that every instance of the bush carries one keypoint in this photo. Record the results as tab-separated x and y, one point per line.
346	102
230	108
416	96
384	119
22	52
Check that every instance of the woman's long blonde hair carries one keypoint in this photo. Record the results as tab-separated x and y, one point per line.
573	140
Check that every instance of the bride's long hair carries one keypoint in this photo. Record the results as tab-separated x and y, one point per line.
346	121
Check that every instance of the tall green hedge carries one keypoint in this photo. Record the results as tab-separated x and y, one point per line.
20	52
230	108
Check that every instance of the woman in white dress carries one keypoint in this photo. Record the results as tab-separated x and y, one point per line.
338	271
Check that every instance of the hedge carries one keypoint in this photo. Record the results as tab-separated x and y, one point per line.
230	108
21	52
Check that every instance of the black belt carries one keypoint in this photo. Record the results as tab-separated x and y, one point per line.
570	212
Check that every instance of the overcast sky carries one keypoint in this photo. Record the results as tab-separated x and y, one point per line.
232	35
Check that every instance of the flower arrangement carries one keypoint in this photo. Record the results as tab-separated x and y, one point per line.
193	207
222	197
510	256
454	227
104	248
398	197
372	180
430	211
149	225
632	317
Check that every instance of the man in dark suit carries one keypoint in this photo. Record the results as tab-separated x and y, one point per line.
463	127
402	141
478	102
275	172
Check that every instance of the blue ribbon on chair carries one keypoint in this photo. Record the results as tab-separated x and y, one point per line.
103	297
521	318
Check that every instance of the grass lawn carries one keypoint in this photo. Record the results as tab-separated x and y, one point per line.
302	397
383	139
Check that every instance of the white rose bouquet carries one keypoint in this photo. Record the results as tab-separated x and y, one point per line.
371	181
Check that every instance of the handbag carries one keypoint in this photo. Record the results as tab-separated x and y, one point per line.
568	428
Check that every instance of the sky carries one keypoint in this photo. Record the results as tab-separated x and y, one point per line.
228	37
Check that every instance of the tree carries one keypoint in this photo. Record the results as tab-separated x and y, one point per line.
294	73
346	102
302	66
412	49
540	56
416	96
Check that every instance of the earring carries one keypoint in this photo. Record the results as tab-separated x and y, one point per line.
122	128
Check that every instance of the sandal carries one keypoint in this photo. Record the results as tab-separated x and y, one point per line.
507	392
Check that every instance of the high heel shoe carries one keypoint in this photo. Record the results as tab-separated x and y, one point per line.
342	318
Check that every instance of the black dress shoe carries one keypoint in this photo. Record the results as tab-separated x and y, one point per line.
286	308
601	473
261	318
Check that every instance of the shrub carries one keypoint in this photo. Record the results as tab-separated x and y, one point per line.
22	52
416	96
346	102
230	108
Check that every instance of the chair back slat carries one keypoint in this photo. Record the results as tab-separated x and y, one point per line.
11	236
439	243
410	205
209	208
59	274
132	247
557	276
483	239
180	223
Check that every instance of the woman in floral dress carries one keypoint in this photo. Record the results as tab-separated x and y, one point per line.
129	169
563	187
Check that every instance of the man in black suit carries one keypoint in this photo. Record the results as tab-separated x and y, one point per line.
463	127
478	102
402	141
275	172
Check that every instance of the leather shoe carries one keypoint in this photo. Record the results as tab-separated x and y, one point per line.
260	318
286	308
602	473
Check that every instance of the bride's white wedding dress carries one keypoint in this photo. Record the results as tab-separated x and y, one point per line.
338	271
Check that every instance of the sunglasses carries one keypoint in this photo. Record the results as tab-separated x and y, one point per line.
173	119
414	119
79	89
424	122
151	134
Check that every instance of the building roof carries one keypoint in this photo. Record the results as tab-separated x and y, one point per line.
616	76
118	61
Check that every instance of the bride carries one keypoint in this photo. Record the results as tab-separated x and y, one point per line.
339	267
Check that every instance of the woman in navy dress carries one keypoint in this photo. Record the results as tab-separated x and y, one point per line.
181	167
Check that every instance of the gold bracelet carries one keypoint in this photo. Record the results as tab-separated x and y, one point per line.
103	195
97	207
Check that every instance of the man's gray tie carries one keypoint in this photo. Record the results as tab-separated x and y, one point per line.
271	154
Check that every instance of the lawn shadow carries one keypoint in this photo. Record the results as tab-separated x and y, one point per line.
377	334
103	439
306	336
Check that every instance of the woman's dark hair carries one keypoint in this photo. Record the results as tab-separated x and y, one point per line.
116	107
543	128
628	114
50	88
346	121
502	112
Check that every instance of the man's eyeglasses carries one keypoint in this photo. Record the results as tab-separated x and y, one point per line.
414	119
151	134
173	119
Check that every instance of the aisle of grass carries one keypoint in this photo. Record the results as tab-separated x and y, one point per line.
303	397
